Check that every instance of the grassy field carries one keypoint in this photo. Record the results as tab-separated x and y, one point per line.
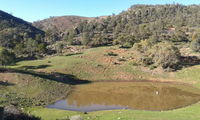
96	64
25	89
188	113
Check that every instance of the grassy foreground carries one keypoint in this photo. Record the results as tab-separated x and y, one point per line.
188	113
96	65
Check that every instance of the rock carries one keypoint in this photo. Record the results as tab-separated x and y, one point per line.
12	110
76	117
85	113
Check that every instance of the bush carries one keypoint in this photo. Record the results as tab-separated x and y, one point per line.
163	54
59	46
141	49
111	54
127	45
125	40
143	46
195	45
122	59
6	57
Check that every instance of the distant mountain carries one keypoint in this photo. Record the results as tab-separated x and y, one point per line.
61	23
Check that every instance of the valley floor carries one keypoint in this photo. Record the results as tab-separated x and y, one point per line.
96	64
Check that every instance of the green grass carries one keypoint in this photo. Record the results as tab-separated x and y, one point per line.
27	90
188	113
92	65
50	114
189	74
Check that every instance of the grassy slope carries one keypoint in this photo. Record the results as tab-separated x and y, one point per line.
30	90
94	65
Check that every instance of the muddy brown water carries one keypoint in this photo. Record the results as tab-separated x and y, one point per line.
129	95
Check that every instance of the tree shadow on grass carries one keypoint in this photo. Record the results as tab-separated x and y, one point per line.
35	67
72	54
58	77
20	117
2	83
188	61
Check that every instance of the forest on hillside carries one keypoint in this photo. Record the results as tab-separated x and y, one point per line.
146	28
175	23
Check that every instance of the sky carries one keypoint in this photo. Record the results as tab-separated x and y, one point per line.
34	10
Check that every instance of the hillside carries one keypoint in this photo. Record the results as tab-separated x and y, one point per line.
8	21
18	35
62	23
173	22
25	88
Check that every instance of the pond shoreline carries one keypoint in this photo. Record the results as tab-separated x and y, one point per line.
98	96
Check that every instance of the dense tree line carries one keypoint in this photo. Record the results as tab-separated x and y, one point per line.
172	22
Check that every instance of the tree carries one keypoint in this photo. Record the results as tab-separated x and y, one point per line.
163	54
59	47
19	49
51	36
86	38
31	47
6	57
69	37
125	40
41	48
195	44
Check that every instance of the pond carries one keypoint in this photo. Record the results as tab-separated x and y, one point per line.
153	96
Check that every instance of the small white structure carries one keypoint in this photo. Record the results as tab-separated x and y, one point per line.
157	92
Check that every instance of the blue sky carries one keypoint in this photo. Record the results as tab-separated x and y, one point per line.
32	10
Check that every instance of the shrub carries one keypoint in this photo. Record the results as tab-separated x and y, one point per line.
127	45
143	46
163	54
125	40
59	46
122	59
195	45
6	57
111	54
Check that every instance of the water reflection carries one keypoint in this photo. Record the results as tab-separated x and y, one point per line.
132	95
